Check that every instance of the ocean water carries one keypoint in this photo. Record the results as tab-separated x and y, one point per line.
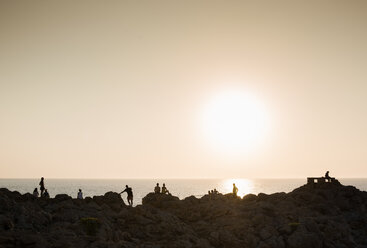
178	187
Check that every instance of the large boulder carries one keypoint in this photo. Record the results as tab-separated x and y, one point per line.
160	200
301	239
62	197
111	199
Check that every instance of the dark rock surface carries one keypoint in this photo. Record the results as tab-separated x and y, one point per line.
326	215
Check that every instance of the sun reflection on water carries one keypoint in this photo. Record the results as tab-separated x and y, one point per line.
245	186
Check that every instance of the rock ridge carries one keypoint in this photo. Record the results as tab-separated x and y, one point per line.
317	216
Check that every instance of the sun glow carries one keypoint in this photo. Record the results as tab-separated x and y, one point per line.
234	122
244	186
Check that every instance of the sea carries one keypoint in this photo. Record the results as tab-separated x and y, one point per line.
178	187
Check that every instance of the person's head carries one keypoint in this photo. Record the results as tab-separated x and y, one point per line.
41	178
127	186
157	184
80	190
46	190
35	189
164	185
234	184
327	172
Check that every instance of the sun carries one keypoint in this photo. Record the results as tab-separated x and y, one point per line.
234	121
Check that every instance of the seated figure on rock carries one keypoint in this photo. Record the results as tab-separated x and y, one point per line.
164	189
157	189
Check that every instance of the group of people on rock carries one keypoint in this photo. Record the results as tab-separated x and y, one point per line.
44	193
215	191
158	190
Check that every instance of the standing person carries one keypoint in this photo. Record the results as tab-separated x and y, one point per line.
80	194
327	177
35	192
42	186
129	192
157	189
235	190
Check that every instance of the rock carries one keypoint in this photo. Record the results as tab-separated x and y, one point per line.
267	232
249	197
306	217
304	240
262	196
110	198
62	197
159	200
6	223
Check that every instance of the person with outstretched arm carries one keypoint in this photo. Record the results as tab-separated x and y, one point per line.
129	192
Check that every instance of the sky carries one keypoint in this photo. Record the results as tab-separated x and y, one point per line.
157	89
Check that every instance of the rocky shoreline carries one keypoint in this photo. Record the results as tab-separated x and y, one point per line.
321	215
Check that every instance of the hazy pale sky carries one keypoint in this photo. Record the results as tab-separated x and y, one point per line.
125	89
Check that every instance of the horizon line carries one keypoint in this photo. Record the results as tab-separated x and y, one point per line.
173	178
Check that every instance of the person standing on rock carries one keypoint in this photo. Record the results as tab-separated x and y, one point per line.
327	177
42	186
129	192
157	189
80	195
235	190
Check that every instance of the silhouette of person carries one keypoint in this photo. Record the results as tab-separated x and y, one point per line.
215	191
157	189
129	192
42	186
80	194
46	194
35	192
164	189
327	177
235	190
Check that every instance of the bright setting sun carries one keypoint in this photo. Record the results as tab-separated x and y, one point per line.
234	121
